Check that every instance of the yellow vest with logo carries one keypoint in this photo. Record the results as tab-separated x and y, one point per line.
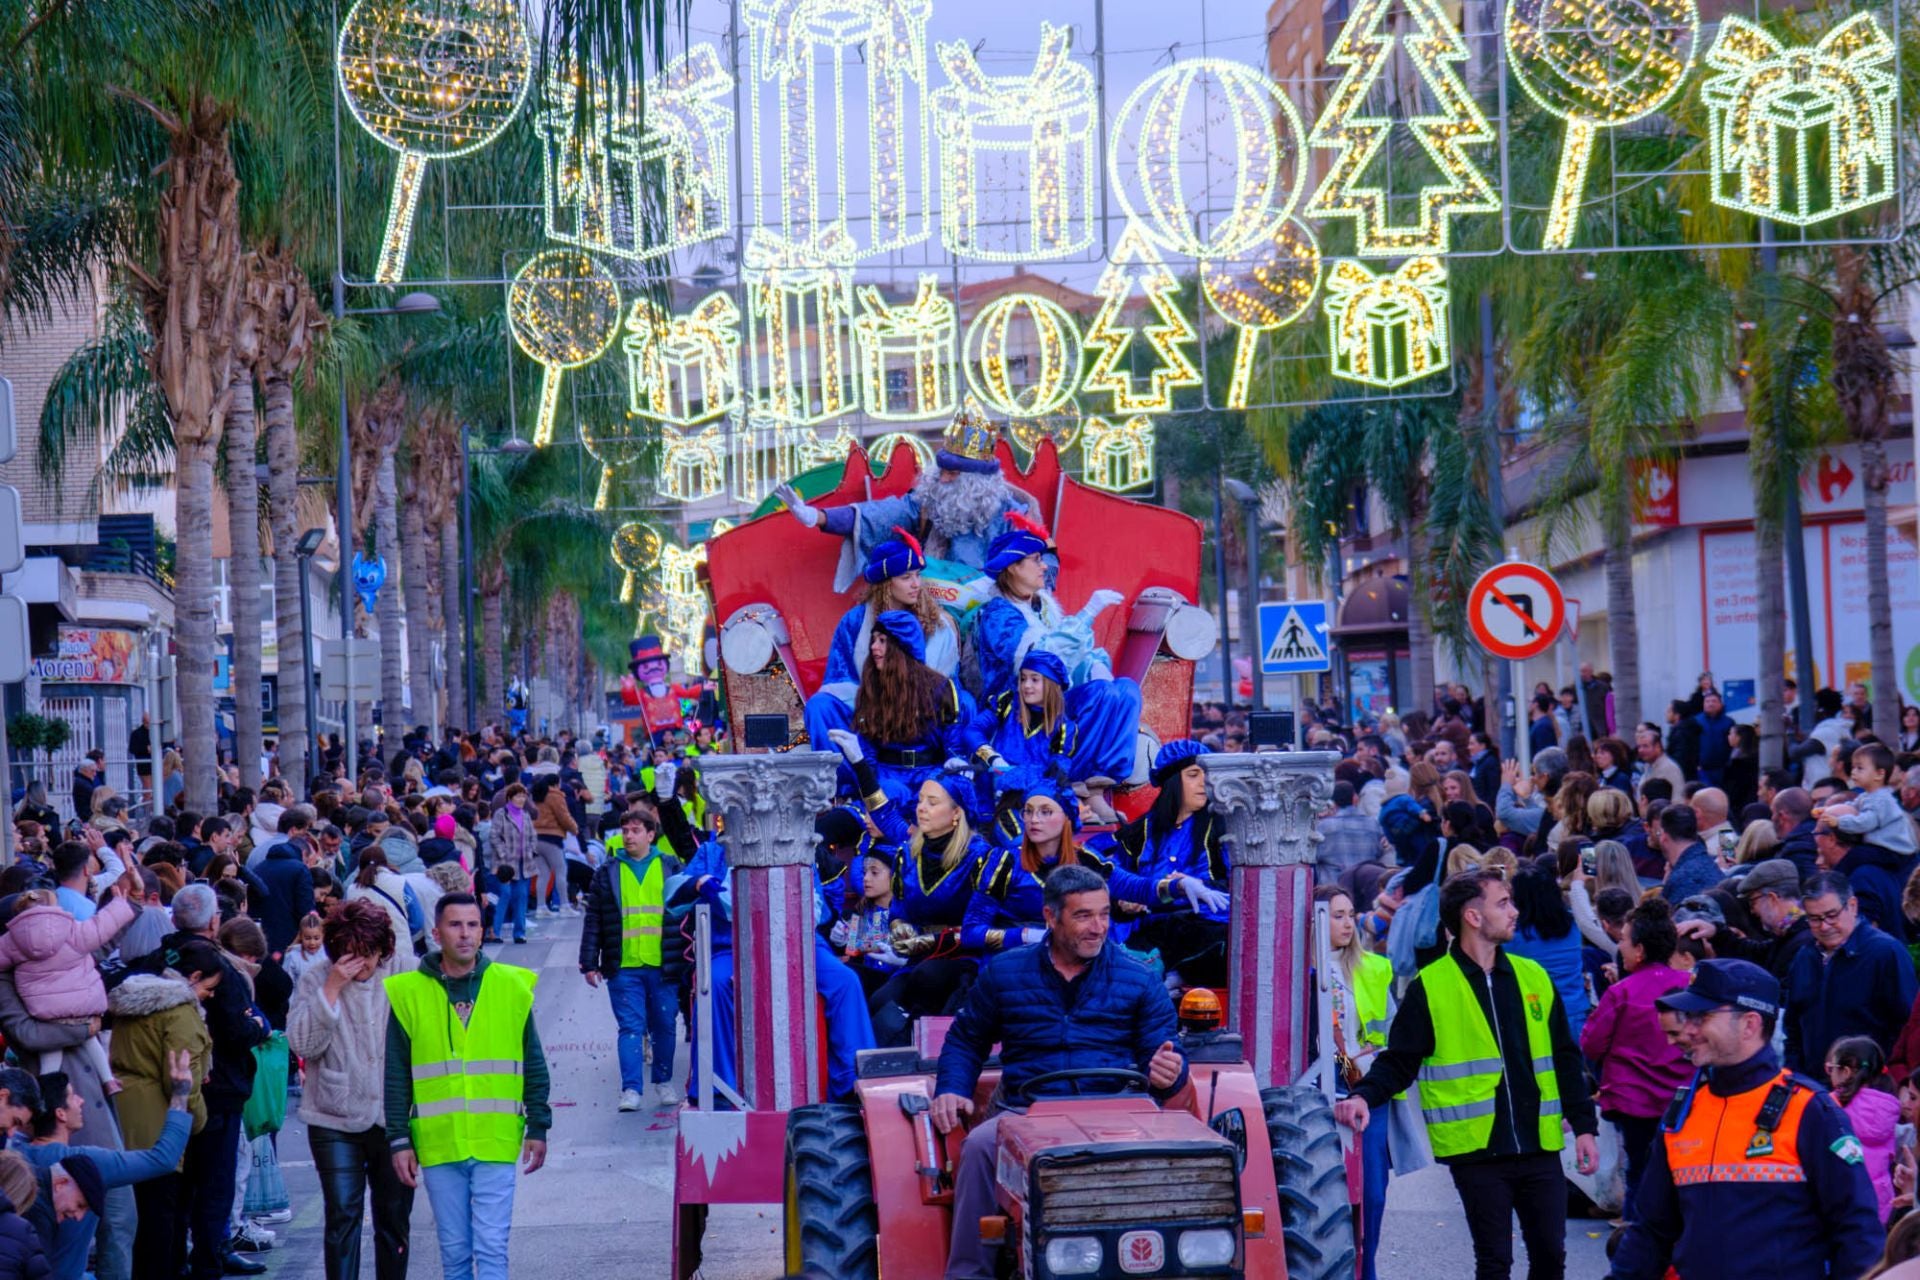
642	911
469	1079
1459	1082
1371	983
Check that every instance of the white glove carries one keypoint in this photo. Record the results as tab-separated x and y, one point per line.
839	934
1029	937
1101	601
664	777
806	515
1199	897
997	763
887	956
849	744
955	764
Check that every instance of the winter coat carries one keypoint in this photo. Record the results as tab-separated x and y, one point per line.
51	955
402	850
289	895
1639	1069
1875	1116
23	1256
1865	988
551	818
389	892
29	1037
513	843
1879	878
233	1026
344	1047
1799	848
263	831
154	1014
600	933
1561	958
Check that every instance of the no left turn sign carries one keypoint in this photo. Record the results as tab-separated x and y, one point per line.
1516	610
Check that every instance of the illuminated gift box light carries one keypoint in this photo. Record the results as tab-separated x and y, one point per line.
1388	330
683	369
693	464
597	181
1030	134
915	339
766	451
1801	135
1117	456
799	326
809	61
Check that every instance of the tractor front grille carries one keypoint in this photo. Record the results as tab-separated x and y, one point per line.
1138	1190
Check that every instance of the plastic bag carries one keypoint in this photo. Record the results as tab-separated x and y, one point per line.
1606	1186
266	1109
266	1188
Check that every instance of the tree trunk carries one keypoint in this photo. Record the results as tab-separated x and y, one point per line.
194	622
1419	622
1770	601
452	585
243	578
393	711
493	650
1885	681
1623	616
283	495
413	580
1863	383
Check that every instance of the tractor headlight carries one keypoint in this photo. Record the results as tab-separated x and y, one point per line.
1211	1247
1073	1255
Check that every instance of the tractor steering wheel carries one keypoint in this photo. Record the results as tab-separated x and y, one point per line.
1115	1080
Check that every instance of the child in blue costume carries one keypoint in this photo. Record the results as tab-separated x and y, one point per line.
1025	735
1023	616
910	719
864	934
892	577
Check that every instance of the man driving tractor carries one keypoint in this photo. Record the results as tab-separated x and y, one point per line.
1068	1004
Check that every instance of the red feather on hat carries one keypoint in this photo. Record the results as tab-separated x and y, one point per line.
1021	520
911	541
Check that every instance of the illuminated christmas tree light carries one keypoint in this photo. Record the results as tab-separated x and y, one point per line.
564	312
1136	264
1117	456
1365	48
799	326
683	369
1032	133
1801	135
1388	330
915	340
1276	289
614	448
1597	64
432	80
1051	361
636	550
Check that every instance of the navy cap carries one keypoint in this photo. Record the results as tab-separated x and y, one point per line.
1723	984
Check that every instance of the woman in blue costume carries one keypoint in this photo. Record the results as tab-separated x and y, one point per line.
1005	909
1024	735
892	579
911	720
1023	616
934	881
1176	848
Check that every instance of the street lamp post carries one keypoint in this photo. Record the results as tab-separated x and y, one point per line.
304	550
1249	501
513	447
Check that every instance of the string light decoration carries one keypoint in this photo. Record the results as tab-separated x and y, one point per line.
564	311
816	450
685	614
1801	135
799	326
1032	133
882	450
1136	263
1170	126
1276	290
431	79
766	451
1392	329
636	550
790	40
1597	64
683	369
1117	456
1365	48
597	181
914	340
1063	428
693	464
1050	360
614	448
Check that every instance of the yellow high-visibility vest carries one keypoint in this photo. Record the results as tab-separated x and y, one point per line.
642	900
469	1079
1458	1083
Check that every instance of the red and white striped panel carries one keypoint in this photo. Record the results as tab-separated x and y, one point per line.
1268	968
774	985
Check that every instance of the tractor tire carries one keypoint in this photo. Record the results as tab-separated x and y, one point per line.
1311	1173
832	1228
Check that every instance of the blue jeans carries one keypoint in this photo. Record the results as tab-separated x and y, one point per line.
473	1213
512	909
1374	1167
643	1004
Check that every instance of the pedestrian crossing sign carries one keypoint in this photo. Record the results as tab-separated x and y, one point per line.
1293	637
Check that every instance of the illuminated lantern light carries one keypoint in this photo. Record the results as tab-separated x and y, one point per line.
1365	48
1117	456
882	449
683	369
432	81
915	340
693	464
1032	135
1388	330
1052	359
1276	290
1172	124
766	451
1801	135
614	449
800	115
636	550
564	312
799	326
1063	428
1597	64
1111	336
597	184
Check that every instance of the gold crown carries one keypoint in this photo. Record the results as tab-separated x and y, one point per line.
971	434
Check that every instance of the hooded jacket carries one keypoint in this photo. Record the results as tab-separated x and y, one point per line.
1874	1116
343	1046
154	1014
51	955
231	1021
22	1255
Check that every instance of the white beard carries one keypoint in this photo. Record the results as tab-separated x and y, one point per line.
969	503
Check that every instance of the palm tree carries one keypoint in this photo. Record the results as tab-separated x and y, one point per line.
243	557
377	429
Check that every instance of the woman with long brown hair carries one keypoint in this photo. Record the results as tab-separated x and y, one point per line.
910	719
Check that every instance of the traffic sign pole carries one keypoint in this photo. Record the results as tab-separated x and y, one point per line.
1522	699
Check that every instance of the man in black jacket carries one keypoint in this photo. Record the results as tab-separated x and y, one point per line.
622	941
1792	814
1772	895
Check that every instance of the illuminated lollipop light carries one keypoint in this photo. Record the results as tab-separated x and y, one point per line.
1051	358
1388	330
1276	290
914	340
636	550
1597	64
1163	132
432	79
613	449
1111	335
683	369
564	312
1118	456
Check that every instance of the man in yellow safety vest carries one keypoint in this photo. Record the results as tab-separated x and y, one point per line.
622	942
1499	1072
466	1089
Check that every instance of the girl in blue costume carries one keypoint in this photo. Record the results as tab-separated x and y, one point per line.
1024	735
1176	849
934	881
1005	909
892	577
1023	616
911	720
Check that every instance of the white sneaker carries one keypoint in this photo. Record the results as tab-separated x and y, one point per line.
629	1100
669	1096
274	1218
251	1238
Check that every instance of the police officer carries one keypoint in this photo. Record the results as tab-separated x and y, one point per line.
1758	1174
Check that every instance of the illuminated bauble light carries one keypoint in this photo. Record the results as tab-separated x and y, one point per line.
1025	326
1062	427
1597	64
432	79
1169	140
1269	292
564	311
